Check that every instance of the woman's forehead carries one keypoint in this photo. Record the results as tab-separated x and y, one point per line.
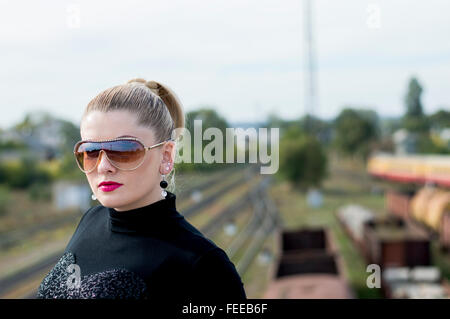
102	126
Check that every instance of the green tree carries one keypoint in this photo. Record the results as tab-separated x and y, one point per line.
314	126
302	159
355	132
273	120
26	127
414	119
210	119
412	99
440	119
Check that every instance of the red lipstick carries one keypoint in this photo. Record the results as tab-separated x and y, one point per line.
108	186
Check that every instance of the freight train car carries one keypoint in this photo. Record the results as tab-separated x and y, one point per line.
428	205
392	243
400	249
398	202
308	267
385	241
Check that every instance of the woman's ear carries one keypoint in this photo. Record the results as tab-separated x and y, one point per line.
168	153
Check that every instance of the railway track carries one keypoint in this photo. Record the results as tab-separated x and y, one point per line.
251	226
183	193
231	211
266	221
8	284
198	207
11	238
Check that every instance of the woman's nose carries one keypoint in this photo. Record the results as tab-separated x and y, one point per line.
104	163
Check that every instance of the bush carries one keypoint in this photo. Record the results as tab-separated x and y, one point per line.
15	175
23	173
426	144
302	160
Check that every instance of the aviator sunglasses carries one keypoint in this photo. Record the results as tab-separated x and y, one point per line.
125	153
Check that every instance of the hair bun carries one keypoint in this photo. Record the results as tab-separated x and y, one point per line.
152	85
169	98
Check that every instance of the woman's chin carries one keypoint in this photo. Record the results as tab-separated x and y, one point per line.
110	201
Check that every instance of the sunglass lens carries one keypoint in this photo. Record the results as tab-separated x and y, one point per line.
124	154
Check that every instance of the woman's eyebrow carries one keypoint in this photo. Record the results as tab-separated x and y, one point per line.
93	139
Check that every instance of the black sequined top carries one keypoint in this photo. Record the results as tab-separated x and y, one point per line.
150	252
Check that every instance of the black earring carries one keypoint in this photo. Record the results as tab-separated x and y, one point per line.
163	185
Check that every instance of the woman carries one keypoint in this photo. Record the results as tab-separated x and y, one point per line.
136	244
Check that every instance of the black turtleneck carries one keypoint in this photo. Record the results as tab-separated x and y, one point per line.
150	252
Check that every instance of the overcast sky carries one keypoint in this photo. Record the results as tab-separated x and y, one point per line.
245	58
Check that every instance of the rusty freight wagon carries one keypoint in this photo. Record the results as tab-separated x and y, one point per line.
385	241
308	266
429	208
390	242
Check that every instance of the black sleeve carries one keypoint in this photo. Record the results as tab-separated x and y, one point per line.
215	278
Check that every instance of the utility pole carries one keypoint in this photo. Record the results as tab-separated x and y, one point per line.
310	98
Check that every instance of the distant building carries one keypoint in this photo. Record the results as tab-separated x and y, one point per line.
404	141
70	195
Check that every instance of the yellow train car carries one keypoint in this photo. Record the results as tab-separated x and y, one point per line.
421	169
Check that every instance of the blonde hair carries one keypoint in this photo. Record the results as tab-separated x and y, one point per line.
155	105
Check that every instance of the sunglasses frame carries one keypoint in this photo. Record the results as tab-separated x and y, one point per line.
146	148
